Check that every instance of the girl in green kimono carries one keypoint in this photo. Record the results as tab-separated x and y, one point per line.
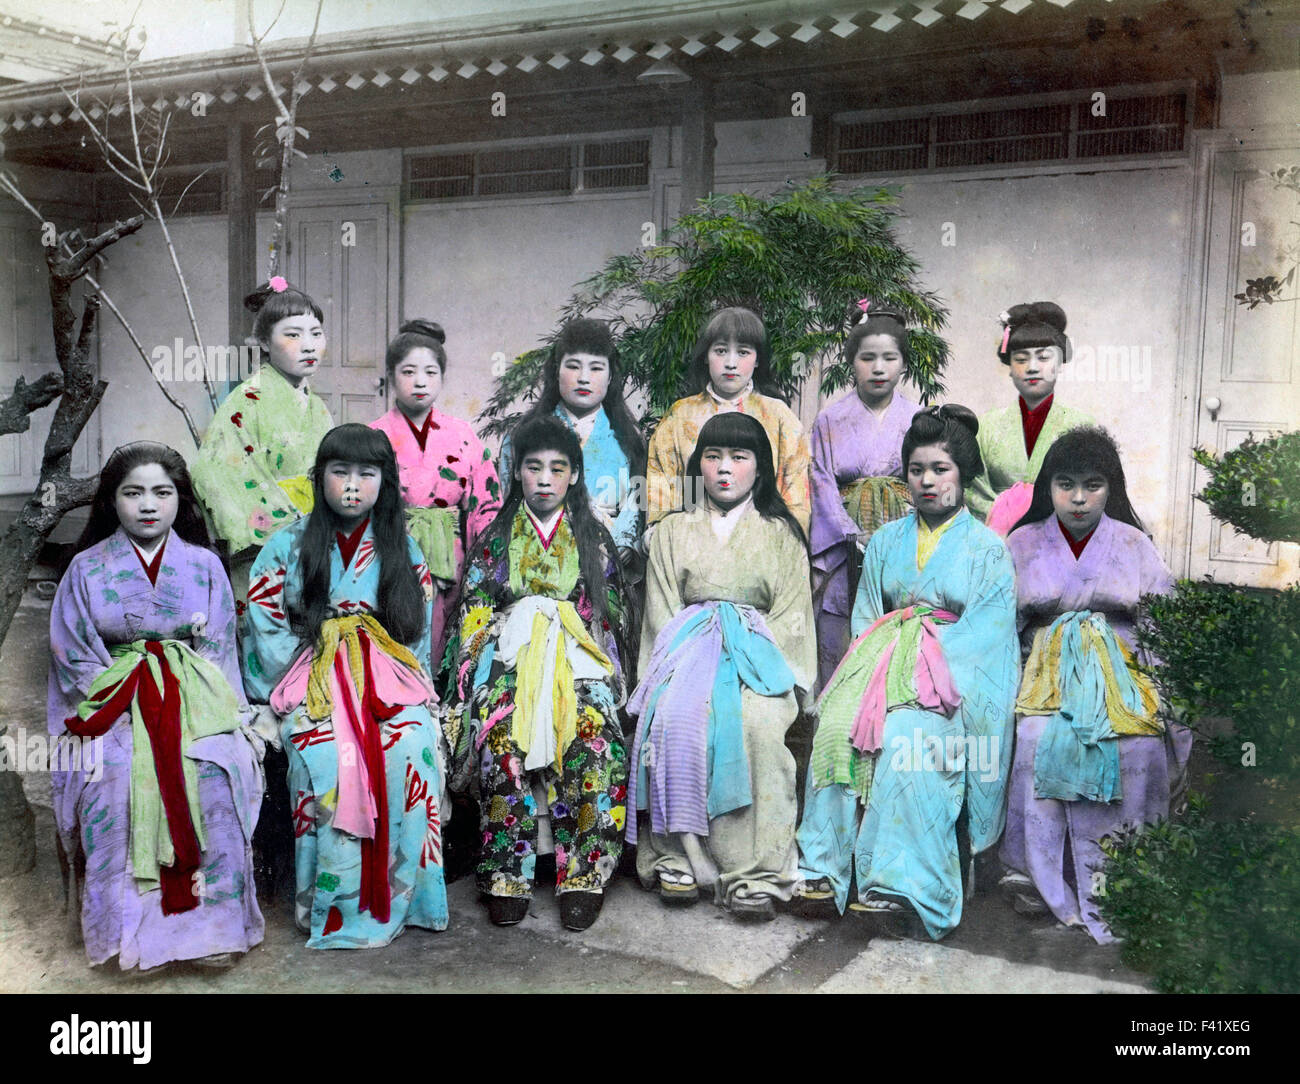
1013	440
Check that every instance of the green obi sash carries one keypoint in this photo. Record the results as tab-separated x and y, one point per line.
435	531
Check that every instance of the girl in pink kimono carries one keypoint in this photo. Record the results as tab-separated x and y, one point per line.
449	485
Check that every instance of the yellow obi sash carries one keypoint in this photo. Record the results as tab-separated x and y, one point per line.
873	502
298	489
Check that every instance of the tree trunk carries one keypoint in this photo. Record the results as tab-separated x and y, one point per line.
17	827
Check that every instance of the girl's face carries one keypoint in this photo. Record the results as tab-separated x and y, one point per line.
296	346
417	380
584	380
731	367
1079	500
546	476
351	489
147	503
934	482
729	474
877	368
1034	371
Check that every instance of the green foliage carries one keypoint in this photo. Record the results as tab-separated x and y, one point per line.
1255	488
1206	907
1231	652
800	258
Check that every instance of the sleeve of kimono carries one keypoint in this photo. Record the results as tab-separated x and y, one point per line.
233	477
422	648
663	597
625	523
869	603
218	642
790	617
794	471
504	465
831	526
663	470
270	644
482	500
78	654
985	633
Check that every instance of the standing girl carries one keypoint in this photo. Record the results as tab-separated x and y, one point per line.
913	746
144	683
730	372
251	470
1013	441
338	635
1093	754
726	656
537	680
857	482
449	485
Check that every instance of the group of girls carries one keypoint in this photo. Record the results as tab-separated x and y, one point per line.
401	629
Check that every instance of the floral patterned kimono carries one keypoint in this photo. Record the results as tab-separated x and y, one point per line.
927	729
674	441
251	474
1009	468
857	485
1051	837
366	763
165	814
536	687
451	492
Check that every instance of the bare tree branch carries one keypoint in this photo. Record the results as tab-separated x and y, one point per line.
16	410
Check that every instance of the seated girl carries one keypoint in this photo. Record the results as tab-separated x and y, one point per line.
726	656
857	482
913	745
143	664
449	485
1014	440
338	635
1093	753
537	680
730	371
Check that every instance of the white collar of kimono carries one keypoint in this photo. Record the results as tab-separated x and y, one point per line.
545	527
729	404
724	523
148	554
584	427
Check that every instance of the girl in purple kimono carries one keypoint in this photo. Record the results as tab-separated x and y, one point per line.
158	787
1093	750
857	483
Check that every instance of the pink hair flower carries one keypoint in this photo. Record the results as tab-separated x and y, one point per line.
864	304
278	284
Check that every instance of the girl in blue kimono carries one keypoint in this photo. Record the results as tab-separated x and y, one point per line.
339	610
913	745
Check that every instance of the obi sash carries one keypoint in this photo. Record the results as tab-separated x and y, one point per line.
897	662
873	502
1086	680
436	531
689	762
1008	507
174	697
358	677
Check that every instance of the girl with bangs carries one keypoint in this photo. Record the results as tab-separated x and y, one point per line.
338	635
727	655
730	371
1094	750
537	680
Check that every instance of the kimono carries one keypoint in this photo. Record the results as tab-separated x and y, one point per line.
366	765
252	471
608	475
537	682
924	752
674	442
173	793
1054	841
452	472
724	648
1007	467
857	485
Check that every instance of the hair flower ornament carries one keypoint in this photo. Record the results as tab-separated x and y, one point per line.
278	283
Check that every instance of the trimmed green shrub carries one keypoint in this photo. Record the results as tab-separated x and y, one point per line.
1255	488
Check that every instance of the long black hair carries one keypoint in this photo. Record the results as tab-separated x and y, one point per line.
103	510
595	544
953	426
271	306
400	605
745	328
732	429
411	336
1088	449
587	336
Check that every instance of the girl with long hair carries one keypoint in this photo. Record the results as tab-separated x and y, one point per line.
1094	750
1014	440
857	482
730	371
338	637
913	744
537	679
250	473
726	656
448	483
161	787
